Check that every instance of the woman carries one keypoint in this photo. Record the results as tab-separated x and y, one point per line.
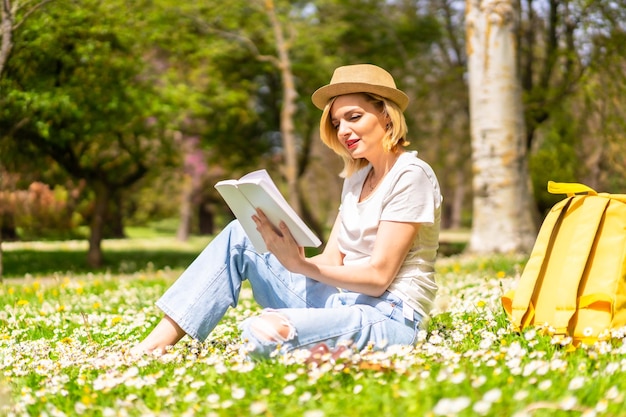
373	284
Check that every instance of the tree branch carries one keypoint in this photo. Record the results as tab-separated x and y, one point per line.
30	11
16	127
251	46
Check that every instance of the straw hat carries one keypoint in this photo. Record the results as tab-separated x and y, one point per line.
360	78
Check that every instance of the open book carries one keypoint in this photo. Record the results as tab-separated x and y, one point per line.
257	190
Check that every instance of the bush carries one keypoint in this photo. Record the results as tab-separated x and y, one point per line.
42	212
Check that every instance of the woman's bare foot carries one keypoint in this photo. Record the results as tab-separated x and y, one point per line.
166	333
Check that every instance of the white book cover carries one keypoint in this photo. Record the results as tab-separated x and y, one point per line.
257	190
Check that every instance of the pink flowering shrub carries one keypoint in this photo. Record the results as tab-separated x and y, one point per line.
41	212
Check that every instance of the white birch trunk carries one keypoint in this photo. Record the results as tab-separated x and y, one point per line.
502	221
6	33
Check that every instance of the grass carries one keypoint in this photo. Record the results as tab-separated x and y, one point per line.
143	252
64	340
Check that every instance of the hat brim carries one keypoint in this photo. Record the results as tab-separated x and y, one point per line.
321	96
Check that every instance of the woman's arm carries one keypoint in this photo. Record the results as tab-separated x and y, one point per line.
393	241
331	255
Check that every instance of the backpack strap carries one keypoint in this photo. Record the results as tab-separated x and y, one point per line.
601	301
519	303
572	188
569	188
585	217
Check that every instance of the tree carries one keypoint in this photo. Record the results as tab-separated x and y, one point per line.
262	54
288	109
224	121
446	123
563	47
281	61
572	66
5	206
13	15
502	220
76	91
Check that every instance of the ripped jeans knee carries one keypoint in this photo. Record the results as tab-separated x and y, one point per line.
266	333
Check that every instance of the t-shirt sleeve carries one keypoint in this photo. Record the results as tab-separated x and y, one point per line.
413	198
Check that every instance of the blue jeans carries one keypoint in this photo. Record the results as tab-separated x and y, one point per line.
315	312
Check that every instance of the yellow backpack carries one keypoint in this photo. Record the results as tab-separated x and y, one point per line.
575	278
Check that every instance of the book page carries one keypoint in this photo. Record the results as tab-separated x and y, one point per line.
257	189
277	209
243	210
261	177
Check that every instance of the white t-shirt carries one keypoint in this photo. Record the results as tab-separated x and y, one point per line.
408	193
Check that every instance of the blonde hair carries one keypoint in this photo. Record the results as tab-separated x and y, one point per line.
395	135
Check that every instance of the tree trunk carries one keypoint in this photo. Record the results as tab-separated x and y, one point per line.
184	225
115	225
206	218
1	260
502	217
458	197
94	256
7	226
287	112
6	30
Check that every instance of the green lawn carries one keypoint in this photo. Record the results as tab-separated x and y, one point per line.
64	339
45	259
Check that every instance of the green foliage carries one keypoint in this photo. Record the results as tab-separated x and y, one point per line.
75	91
213	80
555	160
155	197
83	90
397	31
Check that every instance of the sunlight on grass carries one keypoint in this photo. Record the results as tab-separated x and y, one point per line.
64	347
50	258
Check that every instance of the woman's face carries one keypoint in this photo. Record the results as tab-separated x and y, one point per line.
360	126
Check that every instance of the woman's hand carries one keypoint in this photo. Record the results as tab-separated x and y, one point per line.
280	242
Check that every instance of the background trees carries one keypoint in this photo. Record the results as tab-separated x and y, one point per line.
74	93
150	103
563	46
